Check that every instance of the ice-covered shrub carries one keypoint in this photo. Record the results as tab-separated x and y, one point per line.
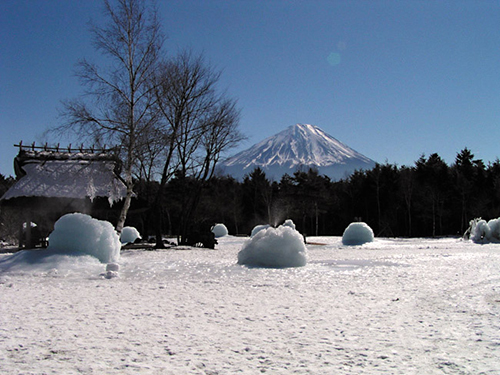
274	247
81	234
494	225
258	228
357	234
219	230
484	232
129	235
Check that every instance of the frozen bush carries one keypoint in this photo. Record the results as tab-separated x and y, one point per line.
357	234
494	225
81	234
274	247
219	230
484	232
129	235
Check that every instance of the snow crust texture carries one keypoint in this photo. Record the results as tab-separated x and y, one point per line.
219	230
274	247
81	234
357	234
393	306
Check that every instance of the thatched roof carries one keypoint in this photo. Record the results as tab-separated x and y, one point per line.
78	175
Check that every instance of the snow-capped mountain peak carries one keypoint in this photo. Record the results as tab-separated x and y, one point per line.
298	146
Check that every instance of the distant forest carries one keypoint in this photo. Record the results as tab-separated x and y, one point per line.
428	199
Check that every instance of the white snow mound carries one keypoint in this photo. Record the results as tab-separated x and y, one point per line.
289	223
485	232
81	234
357	234
274	247
219	230
258	228
129	235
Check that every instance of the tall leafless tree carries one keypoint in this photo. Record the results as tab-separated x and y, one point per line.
199	122
118	109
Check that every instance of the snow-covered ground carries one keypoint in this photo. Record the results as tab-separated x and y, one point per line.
394	306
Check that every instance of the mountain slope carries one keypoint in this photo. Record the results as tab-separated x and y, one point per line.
299	146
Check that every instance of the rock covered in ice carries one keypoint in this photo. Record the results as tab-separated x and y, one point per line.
219	230
357	234
81	234
129	235
258	228
274	247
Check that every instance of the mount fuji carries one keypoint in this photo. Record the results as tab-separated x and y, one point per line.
298	147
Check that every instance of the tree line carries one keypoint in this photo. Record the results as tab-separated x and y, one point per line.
430	198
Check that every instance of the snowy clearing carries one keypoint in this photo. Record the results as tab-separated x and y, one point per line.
397	306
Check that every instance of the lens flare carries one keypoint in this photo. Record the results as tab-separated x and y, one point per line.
333	58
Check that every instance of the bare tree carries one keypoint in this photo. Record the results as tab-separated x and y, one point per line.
217	133
119	106
199	123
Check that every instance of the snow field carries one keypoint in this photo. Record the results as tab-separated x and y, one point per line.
390	306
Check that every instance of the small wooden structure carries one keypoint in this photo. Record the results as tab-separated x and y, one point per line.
51	182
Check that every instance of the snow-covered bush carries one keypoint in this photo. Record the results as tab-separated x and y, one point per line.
81	234
258	228
274	247
357	234
219	230
494	225
484	232
129	235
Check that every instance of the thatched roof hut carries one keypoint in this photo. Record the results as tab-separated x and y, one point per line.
51	183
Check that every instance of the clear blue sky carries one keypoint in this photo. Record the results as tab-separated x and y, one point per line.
391	79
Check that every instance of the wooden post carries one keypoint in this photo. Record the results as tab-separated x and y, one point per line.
29	237
21	232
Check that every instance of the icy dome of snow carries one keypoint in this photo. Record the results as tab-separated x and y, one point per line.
485	232
220	230
258	228
274	247
81	234
357	234
129	235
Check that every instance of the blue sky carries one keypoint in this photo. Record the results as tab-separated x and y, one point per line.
391	79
